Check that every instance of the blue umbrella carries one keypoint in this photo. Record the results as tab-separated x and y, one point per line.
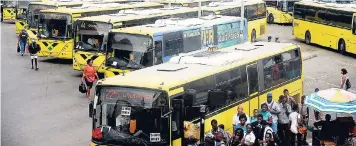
321	104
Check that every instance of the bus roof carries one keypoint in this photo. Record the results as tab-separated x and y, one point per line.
335	6
176	25
183	1
103	6
197	65
127	15
216	6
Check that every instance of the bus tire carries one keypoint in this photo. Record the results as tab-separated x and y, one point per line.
253	35
342	46
270	19
307	38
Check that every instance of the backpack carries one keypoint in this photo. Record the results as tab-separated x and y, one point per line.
82	88
348	84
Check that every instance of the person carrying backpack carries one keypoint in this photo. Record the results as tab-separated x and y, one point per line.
345	81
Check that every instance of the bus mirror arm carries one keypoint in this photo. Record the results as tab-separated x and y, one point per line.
167	114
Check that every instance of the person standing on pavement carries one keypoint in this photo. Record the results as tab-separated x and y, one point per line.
290	100
344	79
89	76
235	118
274	109
34	48
23	36
304	113
295	120
283	120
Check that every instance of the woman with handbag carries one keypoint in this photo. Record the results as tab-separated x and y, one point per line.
89	76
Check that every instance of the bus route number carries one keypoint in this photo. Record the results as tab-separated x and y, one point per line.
155	137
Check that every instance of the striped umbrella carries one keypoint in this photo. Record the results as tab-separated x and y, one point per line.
332	100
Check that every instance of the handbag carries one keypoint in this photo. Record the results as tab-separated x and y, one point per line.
18	47
82	88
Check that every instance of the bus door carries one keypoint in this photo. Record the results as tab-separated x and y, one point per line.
354	34
158	42
177	128
253	86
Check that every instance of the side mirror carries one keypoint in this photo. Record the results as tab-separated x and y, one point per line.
217	97
91	109
190	97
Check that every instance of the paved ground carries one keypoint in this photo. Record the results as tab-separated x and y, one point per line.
45	108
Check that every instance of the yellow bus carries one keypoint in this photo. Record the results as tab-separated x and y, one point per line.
280	11
56	26
137	47
8	9
328	25
255	13
98	27
151	106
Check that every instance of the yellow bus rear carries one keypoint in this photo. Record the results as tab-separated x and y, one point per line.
215	81
255	13
280	12
131	48
327	25
56	26
98	27
8	10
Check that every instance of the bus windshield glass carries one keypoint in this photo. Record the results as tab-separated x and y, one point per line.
131	49
22	9
54	25
91	35
33	13
128	111
9	4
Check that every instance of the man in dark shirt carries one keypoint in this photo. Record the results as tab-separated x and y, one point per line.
34	48
23	41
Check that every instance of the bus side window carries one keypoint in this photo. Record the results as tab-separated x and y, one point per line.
239	82
252	75
354	26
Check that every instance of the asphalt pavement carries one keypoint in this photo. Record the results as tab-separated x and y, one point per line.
44	107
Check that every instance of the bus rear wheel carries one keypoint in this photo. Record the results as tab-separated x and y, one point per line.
253	35
342	46
307	38
270	19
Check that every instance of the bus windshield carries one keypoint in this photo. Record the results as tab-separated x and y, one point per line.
22	9
91	35
9	4
128	111
131	50
33	13
54	25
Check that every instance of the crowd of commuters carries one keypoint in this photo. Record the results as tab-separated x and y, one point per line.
281	122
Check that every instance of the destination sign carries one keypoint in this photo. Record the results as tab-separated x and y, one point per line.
56	16
88	25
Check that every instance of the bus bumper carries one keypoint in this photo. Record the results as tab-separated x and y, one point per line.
61	49
80	59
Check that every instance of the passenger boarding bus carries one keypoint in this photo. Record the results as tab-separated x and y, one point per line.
280	11
156	105
98	27
133	48
328	25
56	26
255	13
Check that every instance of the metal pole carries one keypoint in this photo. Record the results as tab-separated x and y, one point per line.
199	14
242	16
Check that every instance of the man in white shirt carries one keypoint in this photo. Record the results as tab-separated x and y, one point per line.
274	109
235	118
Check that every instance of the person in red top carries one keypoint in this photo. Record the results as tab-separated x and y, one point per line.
89	76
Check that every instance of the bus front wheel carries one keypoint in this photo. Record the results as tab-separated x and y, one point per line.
253	35
307	38
342	46
270	19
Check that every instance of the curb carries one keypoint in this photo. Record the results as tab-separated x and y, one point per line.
310	57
